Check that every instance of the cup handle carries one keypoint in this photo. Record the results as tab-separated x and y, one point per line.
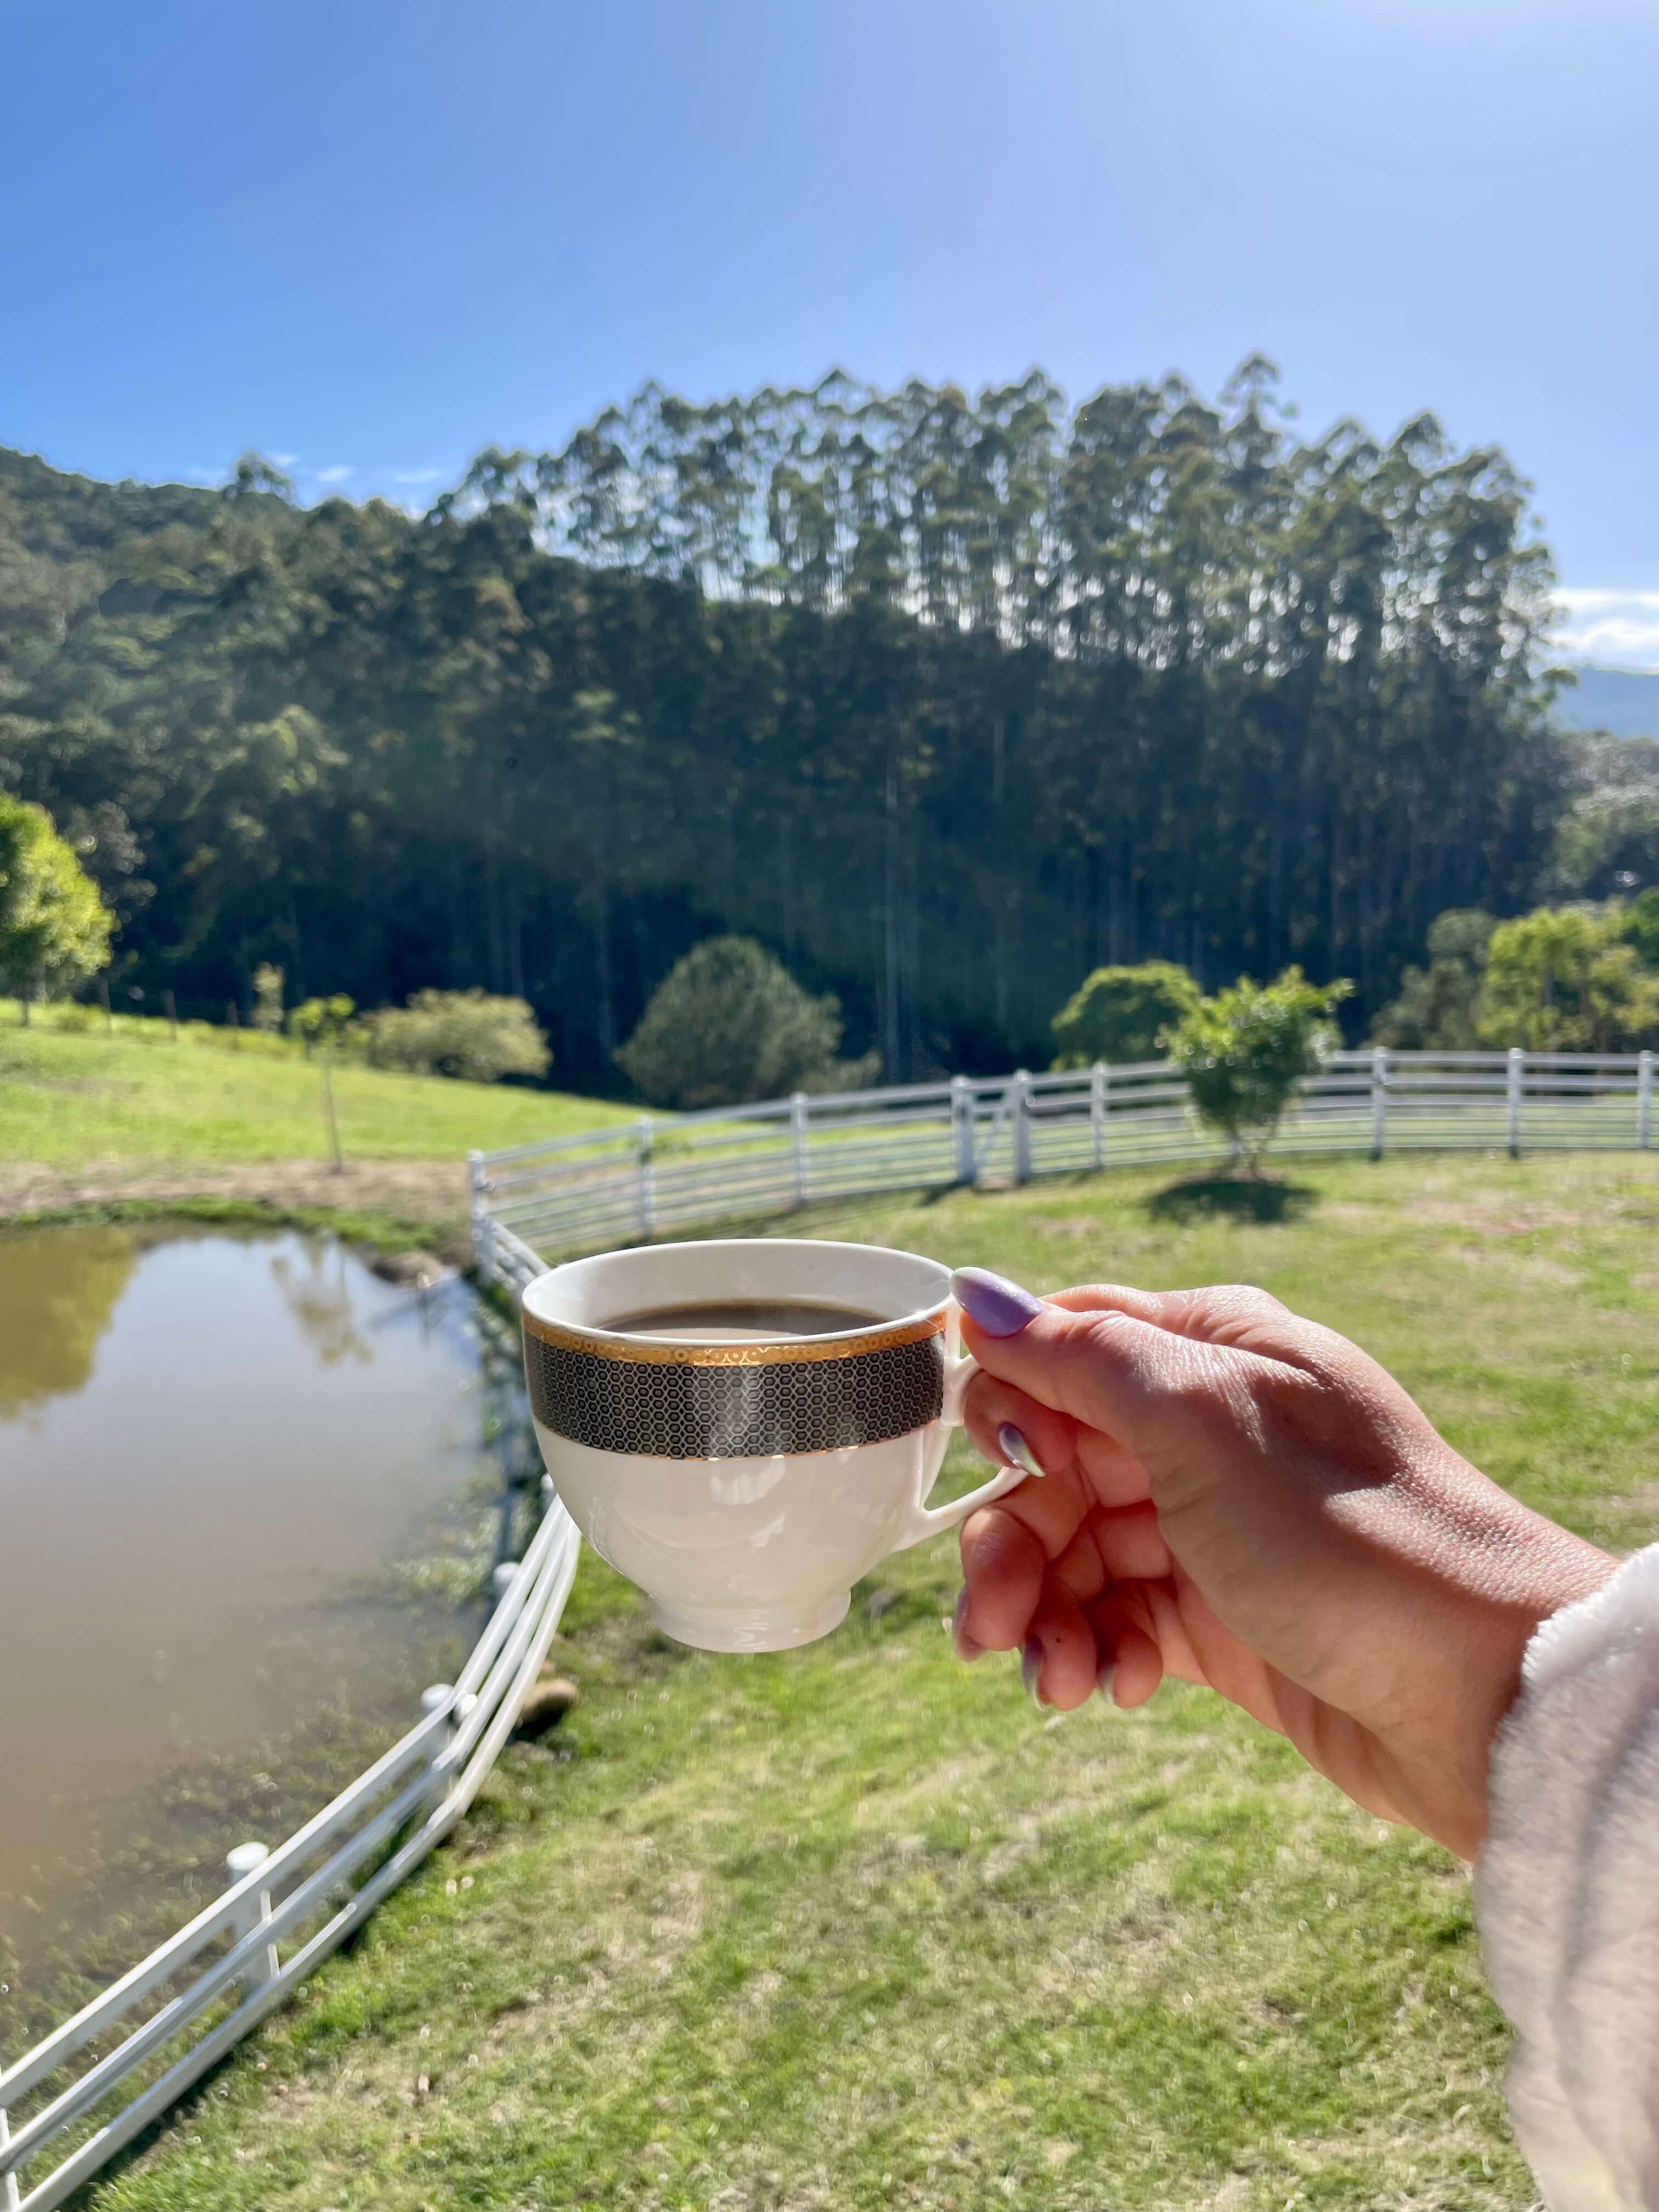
924	1521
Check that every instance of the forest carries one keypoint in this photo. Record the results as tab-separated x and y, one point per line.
945	700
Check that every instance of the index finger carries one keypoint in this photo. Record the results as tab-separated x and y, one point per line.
1112	1365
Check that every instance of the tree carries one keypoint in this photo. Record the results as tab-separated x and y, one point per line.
318	1021
1606	842
1567	979
471	1036
1435	1011
1245	1050
54	928
729	1023
268	980
1641	927
323	1023
1122	1013
948	696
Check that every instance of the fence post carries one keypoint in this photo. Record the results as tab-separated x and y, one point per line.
1379	1099
962	1126
798	1143
253	1910
1644	1101
1022	1126
483	1241
1100	1076
433	1701
647	1180
9	2199
1517	1068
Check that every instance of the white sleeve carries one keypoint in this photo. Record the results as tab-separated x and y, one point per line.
1567	1892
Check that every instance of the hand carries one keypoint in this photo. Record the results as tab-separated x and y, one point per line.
1242	1499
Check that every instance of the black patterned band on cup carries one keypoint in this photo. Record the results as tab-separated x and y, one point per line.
735	1400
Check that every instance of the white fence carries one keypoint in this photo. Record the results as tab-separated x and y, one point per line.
286	1910
631	1181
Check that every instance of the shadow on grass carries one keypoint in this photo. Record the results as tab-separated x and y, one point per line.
1231	1198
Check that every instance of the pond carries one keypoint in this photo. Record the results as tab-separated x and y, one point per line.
243	1482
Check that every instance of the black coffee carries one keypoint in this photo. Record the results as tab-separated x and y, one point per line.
744	1321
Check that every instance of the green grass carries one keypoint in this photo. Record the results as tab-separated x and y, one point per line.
858	1926
79	1098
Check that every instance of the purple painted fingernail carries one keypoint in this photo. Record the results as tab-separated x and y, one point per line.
1030	1668
1017	1451
1000	1308
966	1648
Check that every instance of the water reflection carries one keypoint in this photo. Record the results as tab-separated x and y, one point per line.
57	1294
319	1299
213	1448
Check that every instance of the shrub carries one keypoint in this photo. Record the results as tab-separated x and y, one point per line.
727	1024
1122	1013
54	928
1568	979
471	1035
1245	1051
1436	1008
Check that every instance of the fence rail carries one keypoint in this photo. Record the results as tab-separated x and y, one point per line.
285	1910
630	1183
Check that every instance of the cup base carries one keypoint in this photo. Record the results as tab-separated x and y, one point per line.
763	1628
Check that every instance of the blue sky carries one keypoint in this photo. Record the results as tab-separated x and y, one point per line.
374	237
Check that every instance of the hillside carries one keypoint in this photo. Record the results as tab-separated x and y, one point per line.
1625	700
945	699
50	511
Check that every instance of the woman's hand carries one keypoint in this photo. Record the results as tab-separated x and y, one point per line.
1244	1499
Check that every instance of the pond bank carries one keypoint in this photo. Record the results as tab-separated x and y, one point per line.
404	1201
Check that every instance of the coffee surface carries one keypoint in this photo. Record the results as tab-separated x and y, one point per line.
743	1321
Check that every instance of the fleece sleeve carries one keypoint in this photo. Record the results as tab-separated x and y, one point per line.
1567	1893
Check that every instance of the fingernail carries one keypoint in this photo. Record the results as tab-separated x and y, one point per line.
1030	1668
1017	1451
965	1646
1000	1308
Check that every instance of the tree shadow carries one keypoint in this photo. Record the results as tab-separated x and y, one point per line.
1231	1198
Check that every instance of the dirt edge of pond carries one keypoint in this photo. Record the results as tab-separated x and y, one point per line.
382	1199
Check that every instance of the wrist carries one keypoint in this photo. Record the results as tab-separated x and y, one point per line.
1558	1571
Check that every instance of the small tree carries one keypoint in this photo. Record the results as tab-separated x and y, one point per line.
1245	1051
54	928
268	980
319	1021
323	1023
1121	1013
472	1035
727	1024
1567	979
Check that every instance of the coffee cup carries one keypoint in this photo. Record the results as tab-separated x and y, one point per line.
745	1426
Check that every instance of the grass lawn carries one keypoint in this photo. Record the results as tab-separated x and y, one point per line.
858	1926
81	1098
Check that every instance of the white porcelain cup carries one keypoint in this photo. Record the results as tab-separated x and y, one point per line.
745	1486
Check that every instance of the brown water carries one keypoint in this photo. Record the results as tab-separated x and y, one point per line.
213	1447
